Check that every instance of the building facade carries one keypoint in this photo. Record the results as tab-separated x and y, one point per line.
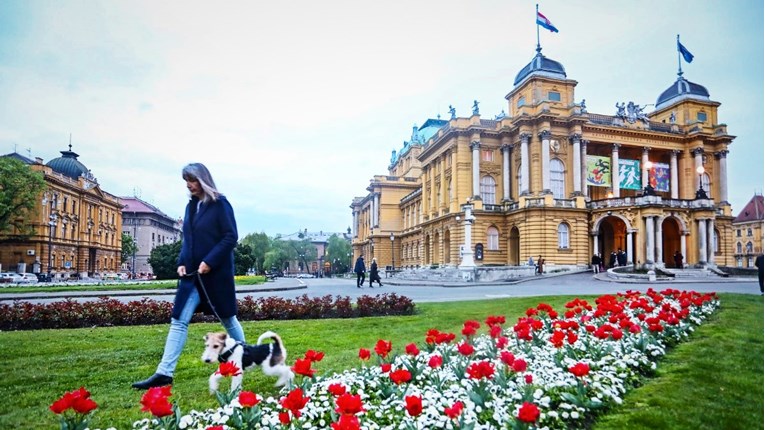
747	233
319	241
550	178
76	224
149	227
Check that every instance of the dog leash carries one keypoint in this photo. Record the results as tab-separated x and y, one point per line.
204	290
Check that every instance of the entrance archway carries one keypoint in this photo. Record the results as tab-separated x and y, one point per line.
670	239
612	236
514	247
427	246
436	253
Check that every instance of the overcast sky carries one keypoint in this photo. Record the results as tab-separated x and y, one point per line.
295	105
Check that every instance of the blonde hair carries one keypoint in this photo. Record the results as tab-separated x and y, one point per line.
197	172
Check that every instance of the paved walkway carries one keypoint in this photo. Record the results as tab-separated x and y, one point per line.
295	285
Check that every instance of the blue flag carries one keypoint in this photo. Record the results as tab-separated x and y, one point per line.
684	52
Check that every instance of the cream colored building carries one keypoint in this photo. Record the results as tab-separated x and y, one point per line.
550	178
77	225
149	227
747	232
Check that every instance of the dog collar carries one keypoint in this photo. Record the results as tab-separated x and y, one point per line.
225	355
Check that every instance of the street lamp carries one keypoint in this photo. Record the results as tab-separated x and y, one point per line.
701	193
135	245
392	253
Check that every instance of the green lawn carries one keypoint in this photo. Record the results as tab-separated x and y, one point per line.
713	381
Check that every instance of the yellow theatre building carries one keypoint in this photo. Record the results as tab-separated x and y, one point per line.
77	225
550	178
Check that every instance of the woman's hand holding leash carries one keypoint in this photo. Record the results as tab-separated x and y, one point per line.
181	271
203	268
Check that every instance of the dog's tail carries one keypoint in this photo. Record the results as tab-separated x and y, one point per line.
278	344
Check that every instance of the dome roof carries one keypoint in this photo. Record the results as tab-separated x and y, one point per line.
682	88
543	66
68	165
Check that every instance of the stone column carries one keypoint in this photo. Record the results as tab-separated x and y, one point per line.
575	139
673	172
630	260
506	149
467	261
711	241
659	243
595	249
698	155
702	241
615	169
545	138
683	247
583	172
525	163
722	157
355	223
376	212
649	238
644	167
475	146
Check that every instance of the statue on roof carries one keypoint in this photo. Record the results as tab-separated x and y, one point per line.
672	117
620	112
475	107
583	107
393	157
452	112
500	115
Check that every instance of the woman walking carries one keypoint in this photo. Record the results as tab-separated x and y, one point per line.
206	269
374	274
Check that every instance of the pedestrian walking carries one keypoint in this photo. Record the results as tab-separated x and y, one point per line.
678	257
595	261
374	274
540	265
206	268
361	271
759	264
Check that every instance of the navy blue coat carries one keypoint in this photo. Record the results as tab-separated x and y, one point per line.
210	236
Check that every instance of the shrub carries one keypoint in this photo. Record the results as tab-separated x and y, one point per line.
106	312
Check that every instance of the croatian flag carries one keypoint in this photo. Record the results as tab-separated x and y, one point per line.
544	22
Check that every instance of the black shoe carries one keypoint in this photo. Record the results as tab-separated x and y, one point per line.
155	380
358	286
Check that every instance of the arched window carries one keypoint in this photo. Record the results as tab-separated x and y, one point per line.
738	248
716	242
706	183
557	179
492	238
749	247
488	186
563	236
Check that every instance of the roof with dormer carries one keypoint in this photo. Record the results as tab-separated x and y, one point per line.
682	89
753	211
68	165
541	66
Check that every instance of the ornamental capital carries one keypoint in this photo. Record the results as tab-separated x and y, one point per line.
544	135
475	144
575	138
525	137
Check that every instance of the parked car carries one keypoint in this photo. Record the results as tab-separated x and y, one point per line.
43	277
28	278
13	278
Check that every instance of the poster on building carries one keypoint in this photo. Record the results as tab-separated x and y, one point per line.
658	176
629	174
598	171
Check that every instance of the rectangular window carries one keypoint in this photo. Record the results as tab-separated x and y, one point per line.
521	101
738	232
487	155
553	96
701	116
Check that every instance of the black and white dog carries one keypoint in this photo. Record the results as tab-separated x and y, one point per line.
219	347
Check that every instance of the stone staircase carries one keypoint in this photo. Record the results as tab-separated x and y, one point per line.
691	273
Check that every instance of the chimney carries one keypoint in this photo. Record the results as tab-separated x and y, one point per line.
38	160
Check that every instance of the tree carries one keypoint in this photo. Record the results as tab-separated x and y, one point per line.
164	260
129	247
20	189
260	244
338	253
278	256
243	259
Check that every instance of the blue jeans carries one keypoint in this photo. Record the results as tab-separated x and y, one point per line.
179	330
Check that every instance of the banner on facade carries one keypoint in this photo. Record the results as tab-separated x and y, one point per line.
658	176
629	174
598	171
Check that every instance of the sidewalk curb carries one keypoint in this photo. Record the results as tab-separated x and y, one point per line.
128	293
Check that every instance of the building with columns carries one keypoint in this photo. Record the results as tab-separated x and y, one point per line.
77	225
550	178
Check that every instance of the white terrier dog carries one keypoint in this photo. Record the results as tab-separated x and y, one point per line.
219	347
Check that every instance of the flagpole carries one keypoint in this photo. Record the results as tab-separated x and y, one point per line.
679	63
536	16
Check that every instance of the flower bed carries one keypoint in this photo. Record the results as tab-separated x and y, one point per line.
546	371
112	312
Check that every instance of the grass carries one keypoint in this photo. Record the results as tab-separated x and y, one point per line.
713	381
127	285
